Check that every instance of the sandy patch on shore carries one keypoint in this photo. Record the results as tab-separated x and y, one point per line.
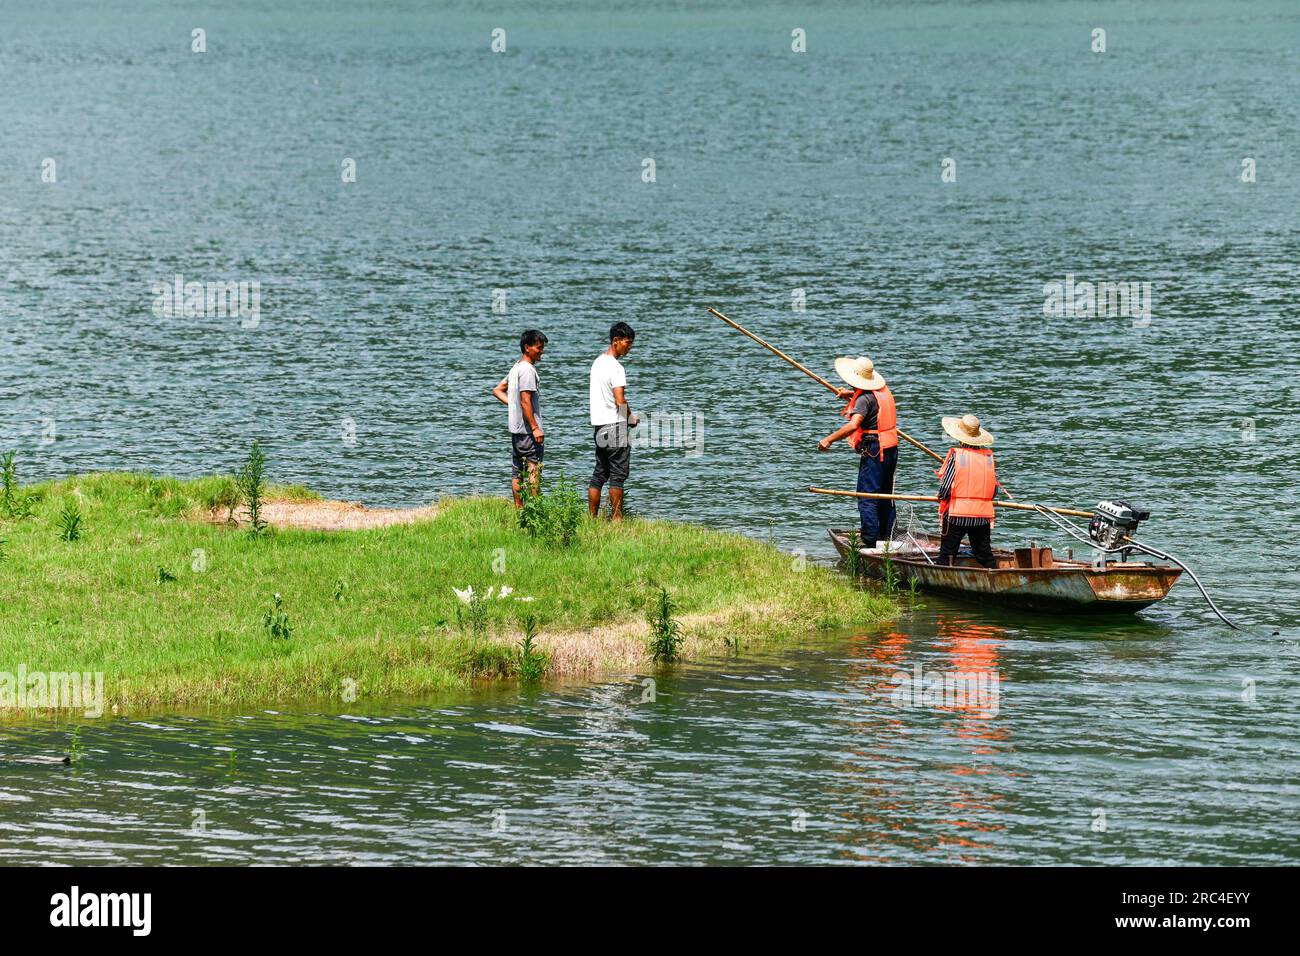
326	515
625	647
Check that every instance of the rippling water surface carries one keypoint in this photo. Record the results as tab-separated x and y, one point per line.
775	172
793	756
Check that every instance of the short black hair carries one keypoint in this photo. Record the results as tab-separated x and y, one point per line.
531	337
621	330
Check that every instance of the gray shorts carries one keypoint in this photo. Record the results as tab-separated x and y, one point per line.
523	448
613	456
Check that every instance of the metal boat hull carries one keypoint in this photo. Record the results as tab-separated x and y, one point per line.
1119	587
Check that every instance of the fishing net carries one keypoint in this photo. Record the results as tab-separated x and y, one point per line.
909	530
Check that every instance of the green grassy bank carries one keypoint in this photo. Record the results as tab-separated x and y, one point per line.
172	608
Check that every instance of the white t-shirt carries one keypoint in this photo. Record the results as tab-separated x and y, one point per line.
606	375
522	378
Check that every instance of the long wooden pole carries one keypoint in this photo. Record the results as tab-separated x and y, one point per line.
1001	504
813	375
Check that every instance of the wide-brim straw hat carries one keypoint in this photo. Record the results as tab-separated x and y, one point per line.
967	430
859	372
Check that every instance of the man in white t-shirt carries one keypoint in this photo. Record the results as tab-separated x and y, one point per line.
518	391
610	420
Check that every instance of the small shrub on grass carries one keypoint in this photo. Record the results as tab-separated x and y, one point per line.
532	511
531	662
665	630
8	484
553	512
3	553
913	593
569	509
70	524
853	562
164	575
276	620
252	487
13	503
472	612
340	591
891	575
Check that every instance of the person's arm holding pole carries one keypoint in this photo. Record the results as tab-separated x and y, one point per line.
839	392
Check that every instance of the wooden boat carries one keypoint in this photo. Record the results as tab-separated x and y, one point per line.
1024	577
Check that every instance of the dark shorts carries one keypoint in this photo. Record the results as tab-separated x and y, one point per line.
613	456
522	448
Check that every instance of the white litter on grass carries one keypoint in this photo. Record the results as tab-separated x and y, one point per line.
467	595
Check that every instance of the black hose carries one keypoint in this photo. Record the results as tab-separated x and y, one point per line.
1129	544
1157	553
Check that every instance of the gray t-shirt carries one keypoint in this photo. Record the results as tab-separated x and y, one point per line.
869	408
522	378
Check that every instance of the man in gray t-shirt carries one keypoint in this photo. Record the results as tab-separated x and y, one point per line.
518	391
521	391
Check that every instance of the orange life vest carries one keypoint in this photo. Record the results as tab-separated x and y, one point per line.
974	483
886	419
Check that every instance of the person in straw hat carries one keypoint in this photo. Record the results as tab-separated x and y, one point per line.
967	483
872	431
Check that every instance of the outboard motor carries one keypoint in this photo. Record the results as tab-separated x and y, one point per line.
1113	521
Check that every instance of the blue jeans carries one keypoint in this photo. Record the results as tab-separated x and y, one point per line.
877	474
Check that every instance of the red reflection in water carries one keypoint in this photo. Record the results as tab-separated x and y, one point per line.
889	775
973	649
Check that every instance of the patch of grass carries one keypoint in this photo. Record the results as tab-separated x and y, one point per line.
97	607
485	660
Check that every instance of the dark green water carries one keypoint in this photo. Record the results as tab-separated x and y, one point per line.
775	171
1126	719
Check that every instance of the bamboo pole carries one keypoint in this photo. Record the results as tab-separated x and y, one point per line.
1001	504
814	376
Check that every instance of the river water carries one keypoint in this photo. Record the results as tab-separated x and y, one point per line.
1114	743
366	374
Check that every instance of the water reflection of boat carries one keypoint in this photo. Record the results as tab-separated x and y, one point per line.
946	806
1056	585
